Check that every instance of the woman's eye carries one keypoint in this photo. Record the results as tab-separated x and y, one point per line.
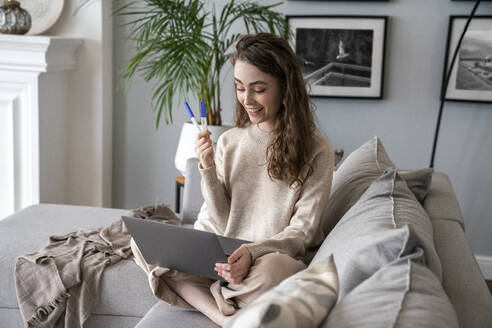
260	91
239	90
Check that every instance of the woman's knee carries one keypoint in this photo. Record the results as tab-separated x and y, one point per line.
273	268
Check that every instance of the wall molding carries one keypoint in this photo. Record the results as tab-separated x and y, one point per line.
485	264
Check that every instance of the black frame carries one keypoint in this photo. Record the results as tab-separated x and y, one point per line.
449	52
357	0
384	20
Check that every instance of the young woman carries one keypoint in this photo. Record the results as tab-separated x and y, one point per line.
267	182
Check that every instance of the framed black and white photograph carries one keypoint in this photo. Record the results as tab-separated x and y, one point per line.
345	0
471	76
341	56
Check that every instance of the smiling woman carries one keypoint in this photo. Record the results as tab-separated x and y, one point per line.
266	182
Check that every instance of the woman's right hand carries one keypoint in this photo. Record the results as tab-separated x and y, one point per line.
204	149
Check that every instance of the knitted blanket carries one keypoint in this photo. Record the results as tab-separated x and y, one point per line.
58	285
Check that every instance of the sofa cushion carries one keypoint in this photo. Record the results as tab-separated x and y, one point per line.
352	178
400	294
165	315
386	223
302	300
29	230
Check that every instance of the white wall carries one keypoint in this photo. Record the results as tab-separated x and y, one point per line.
90	115
405	119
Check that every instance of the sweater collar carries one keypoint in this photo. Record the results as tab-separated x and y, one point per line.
259	136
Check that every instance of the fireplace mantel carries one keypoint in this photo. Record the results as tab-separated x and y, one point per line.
37	53
33	119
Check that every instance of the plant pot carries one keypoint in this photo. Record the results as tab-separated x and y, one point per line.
187	139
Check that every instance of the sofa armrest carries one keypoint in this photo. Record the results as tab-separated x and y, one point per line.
192	193
462	279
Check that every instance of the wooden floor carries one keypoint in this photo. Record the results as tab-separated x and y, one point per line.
489	283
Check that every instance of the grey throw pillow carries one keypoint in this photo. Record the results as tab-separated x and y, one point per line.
357	172
302	300
418	181
400	294
386	223
352	178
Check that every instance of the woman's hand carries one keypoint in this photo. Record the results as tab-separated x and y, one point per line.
237	266
204	149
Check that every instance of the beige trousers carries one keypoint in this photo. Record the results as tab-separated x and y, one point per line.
266	272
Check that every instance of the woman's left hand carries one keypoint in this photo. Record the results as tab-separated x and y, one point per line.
237	266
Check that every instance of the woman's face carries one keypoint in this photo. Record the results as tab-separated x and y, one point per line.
259	93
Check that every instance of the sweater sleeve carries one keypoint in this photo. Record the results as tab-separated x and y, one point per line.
215	193
304	226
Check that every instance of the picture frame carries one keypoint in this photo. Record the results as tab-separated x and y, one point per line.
349	0
341	56
471	76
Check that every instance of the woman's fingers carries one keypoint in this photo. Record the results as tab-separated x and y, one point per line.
237	267
233	273
202	144
235	255
204	149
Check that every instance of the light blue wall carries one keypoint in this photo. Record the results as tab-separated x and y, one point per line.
405	119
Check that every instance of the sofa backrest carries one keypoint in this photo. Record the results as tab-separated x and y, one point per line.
440	202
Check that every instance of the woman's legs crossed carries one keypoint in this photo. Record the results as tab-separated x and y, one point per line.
200	298
194	290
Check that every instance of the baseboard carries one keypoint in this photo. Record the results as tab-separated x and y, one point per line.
485	263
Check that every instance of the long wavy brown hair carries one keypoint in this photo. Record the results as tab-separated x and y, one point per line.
289	152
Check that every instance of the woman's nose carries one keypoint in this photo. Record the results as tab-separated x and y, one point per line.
248	98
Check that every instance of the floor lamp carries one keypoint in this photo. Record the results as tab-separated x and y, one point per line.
446	82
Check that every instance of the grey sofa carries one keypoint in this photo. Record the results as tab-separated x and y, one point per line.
126	300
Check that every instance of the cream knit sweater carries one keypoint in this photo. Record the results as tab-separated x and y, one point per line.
244	202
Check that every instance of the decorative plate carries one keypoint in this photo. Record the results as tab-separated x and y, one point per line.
44	13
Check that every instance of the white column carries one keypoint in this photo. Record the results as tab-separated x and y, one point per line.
32	120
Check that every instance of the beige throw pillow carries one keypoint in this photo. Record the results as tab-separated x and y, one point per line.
302	300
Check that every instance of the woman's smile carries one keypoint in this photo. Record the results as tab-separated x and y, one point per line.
254	111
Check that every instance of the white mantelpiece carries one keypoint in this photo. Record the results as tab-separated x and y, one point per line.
33	119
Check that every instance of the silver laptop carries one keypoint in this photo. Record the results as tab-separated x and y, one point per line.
180	248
